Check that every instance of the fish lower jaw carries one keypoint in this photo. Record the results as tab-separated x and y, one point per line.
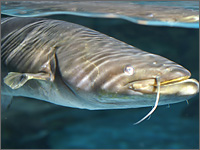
188	87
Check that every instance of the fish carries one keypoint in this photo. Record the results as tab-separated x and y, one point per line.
71	65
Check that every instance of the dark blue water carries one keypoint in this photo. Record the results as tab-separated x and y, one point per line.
36	124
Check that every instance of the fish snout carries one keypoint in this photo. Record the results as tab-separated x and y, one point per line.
173	74
169	76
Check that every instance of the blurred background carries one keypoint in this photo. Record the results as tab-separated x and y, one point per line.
31	123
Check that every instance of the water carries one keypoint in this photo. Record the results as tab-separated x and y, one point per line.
176	14
36	124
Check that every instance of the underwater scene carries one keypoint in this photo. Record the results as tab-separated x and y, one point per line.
168	29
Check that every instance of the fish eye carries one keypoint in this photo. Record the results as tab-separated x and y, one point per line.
129	70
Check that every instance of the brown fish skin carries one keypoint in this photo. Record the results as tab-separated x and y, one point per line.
87	69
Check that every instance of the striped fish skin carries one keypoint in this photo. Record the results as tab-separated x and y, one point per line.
92	70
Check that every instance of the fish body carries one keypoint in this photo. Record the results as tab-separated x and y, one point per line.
71	65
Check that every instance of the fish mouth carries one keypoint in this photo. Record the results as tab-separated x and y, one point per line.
175	80
179	86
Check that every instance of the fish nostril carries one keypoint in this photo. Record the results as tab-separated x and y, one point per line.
154	62
169	69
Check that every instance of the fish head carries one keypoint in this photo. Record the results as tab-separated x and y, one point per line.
132	80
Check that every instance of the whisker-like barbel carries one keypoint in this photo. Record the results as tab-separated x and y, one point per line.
156	102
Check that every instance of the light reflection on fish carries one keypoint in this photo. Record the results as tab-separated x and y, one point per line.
71	65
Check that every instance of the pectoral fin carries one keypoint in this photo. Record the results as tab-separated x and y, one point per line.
15	80
47	72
